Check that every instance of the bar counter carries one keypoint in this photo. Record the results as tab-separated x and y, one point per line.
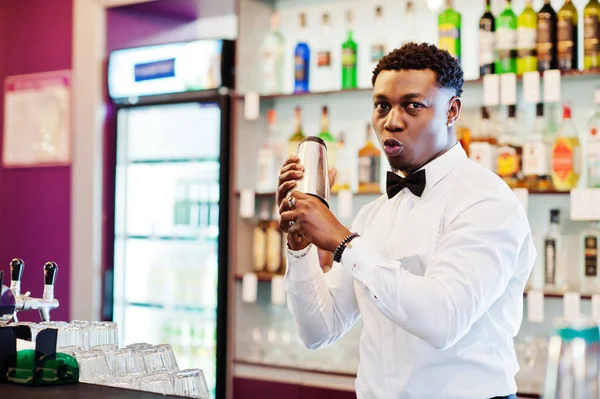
74	391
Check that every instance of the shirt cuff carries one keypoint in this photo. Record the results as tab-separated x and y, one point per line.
358	259
302	268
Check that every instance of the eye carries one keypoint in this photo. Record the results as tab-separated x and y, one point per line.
415	105
381	106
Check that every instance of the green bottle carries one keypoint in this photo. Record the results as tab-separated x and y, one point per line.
449	24
506	41
349	58
326	136
567	37
526	40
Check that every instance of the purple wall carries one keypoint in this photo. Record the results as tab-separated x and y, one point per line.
35	214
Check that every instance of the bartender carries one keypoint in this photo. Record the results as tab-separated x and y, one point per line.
436	267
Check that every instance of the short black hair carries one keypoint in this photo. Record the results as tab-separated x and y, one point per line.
419	56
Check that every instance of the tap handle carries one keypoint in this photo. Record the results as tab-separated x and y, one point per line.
16	269
1	277
50	269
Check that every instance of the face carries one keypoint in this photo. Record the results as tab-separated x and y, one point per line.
413	117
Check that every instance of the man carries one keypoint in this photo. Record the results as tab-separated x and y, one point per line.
436	267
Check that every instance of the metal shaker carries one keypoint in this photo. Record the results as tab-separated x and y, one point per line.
312	153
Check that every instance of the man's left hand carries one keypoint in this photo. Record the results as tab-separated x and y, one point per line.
312	220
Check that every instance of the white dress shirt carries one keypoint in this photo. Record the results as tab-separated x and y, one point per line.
438	281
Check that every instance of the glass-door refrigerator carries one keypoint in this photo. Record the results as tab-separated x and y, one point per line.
167	279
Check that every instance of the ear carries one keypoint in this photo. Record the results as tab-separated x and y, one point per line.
454	107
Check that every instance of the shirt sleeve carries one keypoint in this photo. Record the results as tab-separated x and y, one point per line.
323	304
475	259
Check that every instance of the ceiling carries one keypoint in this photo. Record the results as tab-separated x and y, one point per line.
183	10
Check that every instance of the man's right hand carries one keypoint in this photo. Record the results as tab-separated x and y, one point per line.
291	171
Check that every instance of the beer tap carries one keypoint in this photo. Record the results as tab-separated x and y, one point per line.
11	303
16	271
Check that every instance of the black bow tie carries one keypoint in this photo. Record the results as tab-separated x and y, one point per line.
415	182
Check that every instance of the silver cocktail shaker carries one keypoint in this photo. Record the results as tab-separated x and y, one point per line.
312	153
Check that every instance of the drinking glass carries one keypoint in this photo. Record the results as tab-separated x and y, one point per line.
139	345
129	362
158	383
109	351
127	382
93	367
84	325
70	335
70	350
190	383
160	358
103	333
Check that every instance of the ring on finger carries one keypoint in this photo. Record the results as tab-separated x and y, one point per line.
291	223
292	202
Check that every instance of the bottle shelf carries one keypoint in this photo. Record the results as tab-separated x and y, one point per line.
560	295
531	192
592	74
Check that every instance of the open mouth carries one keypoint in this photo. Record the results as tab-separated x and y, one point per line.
392	147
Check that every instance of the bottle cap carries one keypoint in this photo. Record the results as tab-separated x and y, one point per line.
554	215
325	18
485	113
539	109
271	116
567	110
512	111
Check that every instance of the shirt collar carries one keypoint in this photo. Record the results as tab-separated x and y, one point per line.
439	167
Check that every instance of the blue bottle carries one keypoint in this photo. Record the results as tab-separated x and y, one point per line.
302	60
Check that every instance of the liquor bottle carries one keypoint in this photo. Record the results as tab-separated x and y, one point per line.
508	165
410	31
342	178
591	35
593	145
536	169
546	38
487	40
464	136
259	243
275	140
274	237
324	74
566	154
553	273
590	280
349	57
378	46
266	168
482	149
326	136
449	26
302	60
298	134
506	41
526	40
567	37
272	53
369	162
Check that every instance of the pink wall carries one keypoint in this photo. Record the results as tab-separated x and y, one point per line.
35	203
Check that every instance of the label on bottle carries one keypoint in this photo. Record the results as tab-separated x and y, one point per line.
535	159
449	36
591	256
593	150
565	40
508	161
299	68
368	169
562	159
526	45
324	58
591	35
377	52
544	40
487	46
273	257
348	58
550	261
482	153
506	42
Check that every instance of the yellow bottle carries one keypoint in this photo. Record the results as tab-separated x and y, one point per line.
566	154
369	164
298	134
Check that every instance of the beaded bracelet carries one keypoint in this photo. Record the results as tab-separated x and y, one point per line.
337	255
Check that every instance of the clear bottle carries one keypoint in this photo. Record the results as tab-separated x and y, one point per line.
553	273
593	145
482	149
590	279
323	73
259	244
342	178
302	60
536	169
378	46
298	134
410	31
272	53
510	150
326	136
566	154
275	139
369	166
